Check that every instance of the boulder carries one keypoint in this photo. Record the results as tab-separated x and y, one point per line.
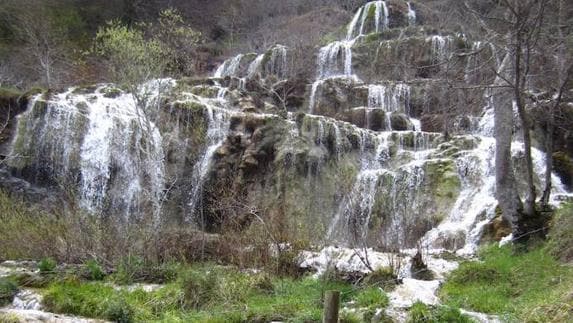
400	122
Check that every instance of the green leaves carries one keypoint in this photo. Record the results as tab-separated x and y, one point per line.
135	54
131	58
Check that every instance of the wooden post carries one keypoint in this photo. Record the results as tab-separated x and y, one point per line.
331	306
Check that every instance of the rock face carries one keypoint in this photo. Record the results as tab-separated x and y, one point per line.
376	149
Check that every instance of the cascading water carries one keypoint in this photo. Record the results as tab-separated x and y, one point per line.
229	67
335	59
108	145
411	15
392	98
273	62
373	16
440	47
218	127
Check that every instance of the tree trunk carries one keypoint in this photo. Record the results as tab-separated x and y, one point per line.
519	86
549	147
506	190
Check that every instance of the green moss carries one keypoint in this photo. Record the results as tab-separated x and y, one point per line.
111	93
7	94
371	13
518	286
205	91
89	89
372	37
445	178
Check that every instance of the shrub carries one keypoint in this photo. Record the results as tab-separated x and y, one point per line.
198	287
8	289
119	311
47	265
94	270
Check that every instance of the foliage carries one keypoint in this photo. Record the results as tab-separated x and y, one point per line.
132	59
8	290
422	313
504	283
94	270
47	265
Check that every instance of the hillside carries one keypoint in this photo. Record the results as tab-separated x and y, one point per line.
233	161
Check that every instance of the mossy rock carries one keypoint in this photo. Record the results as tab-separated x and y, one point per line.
90	89
401	122
205	91
496	230
111	93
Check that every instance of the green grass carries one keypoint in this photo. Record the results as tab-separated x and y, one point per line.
517	286
560	242
422	313
372	297
208	293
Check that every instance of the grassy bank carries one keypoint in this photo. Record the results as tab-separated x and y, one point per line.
533	286
202	293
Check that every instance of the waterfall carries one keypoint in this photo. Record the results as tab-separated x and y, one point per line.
273	62
255	66
312	100
390	99
330	56
335	59
278	64
110	146
229	67
440	47
373	17
218	127
411	15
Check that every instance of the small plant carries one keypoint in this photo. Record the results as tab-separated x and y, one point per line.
8	290
129	270
47	265
198	288
119	311
422	313
382	277
94	270
372	297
